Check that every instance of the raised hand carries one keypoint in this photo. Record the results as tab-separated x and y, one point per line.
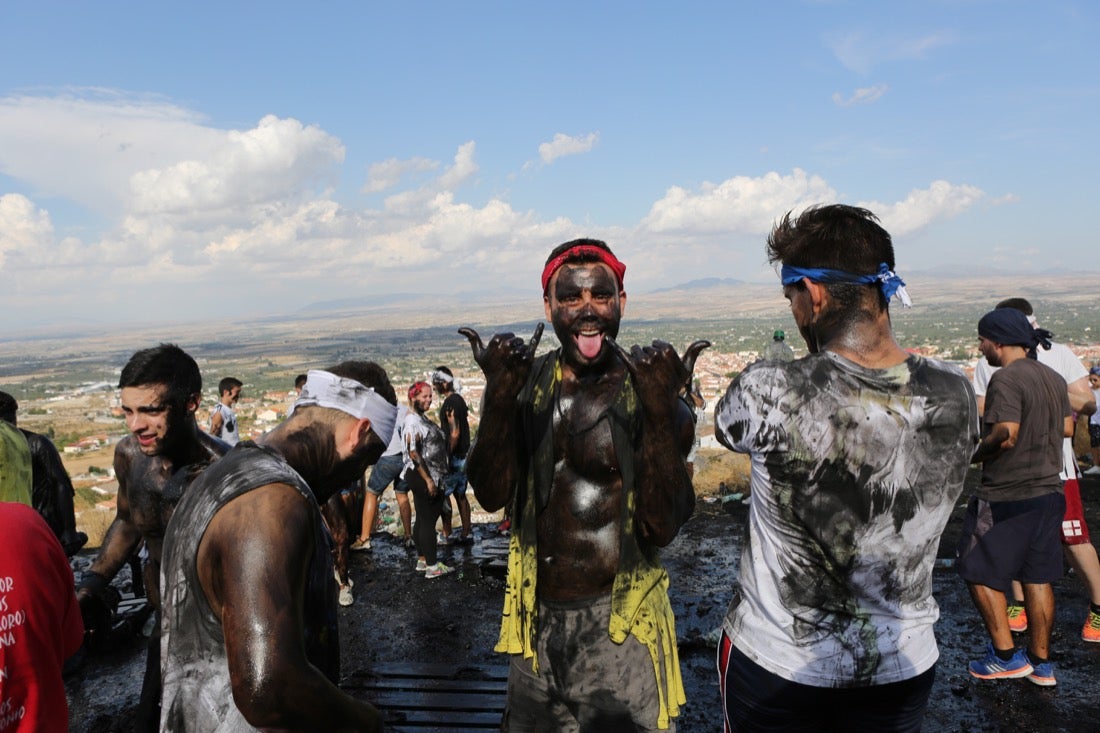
506	361
658	372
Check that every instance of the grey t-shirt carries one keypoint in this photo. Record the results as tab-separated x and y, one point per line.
1033	395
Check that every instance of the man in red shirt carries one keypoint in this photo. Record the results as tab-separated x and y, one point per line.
41	625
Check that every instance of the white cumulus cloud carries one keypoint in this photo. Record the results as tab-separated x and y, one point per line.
740	204
563	145
389	173
196	221
84	145
463	167
921	207
276	160
24	227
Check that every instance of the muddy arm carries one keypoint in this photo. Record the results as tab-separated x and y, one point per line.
454	434
492	465
412	442
254	561
123	536
666	497
216	423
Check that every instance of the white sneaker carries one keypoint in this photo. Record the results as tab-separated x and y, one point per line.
346	598
438	569
421	565
1095	470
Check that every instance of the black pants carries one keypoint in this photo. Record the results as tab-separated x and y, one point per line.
428	508
757	700
147	715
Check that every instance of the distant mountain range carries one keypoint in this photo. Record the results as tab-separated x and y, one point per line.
936	289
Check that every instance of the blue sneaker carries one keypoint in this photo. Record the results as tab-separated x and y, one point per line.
1043	674
992	667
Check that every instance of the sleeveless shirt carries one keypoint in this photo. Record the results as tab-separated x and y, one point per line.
198	693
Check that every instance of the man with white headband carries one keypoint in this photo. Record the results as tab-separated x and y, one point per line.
250	633
454	420
859	451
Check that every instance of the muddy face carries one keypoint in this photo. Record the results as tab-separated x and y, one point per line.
152	420
584	305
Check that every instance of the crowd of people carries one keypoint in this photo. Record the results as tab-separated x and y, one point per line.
858	451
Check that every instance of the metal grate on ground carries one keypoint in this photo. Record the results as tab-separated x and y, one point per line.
433	698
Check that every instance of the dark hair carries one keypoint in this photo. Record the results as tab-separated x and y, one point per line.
835	237
167	365
445	370
368	374
1019	304
580	256
8	407
300	381
227	384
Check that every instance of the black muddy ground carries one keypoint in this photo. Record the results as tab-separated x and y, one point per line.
400	616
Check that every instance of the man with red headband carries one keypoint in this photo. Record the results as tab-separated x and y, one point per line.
587	443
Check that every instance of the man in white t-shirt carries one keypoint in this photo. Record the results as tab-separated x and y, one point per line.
223	418
1079	549
1094	423
859	452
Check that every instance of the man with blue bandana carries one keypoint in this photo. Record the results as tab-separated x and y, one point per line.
1012	529
859	451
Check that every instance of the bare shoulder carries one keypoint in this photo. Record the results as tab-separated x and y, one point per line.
253	542
127	449
273	517
127	453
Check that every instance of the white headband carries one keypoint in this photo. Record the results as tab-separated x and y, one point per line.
438	376
325	389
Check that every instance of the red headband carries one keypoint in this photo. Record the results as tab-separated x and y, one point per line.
583	249
417	387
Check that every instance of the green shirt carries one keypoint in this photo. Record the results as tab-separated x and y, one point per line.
15	465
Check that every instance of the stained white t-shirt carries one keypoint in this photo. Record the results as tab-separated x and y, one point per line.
855	473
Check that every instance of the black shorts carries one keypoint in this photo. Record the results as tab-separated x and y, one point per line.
1094	435
1006	540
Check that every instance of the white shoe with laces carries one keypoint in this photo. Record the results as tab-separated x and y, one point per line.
434	571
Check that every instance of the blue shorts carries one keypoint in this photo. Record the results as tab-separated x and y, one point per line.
385	472
1005	540
455	481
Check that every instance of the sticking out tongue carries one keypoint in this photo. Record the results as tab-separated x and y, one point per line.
589	345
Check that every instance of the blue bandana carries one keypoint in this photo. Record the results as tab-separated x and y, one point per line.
1010	327
890	283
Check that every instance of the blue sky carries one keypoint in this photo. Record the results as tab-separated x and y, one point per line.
216	160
